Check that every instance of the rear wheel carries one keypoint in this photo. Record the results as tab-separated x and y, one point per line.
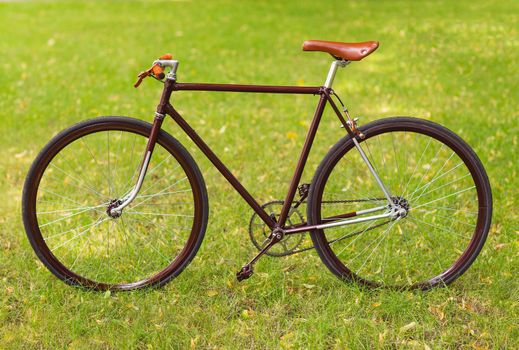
428	170
92	164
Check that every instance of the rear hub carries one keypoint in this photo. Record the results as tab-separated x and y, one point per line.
401	207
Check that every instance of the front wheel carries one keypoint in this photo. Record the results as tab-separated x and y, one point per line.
431	173
77	176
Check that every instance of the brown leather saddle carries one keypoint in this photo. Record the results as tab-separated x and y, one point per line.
345	51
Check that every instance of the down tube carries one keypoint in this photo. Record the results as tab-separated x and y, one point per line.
220	166
302	161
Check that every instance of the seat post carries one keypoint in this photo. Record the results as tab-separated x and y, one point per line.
333	69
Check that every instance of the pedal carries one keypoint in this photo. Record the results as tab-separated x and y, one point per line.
244	273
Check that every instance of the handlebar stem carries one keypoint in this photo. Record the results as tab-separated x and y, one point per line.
172	65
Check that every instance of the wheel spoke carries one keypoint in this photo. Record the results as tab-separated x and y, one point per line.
370	223
91	155
444	197
451	209
442	228
447	217
186	190
66	217
158	214
439	177
88	188
155	183
158	193
382	236
109	178
68	231
70	209
97	223
416	167
437	188
430	167
379	237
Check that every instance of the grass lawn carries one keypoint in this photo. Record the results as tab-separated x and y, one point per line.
452	62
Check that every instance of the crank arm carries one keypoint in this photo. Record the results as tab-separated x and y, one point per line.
247	270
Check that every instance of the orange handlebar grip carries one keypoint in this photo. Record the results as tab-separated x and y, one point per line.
167	56
157	70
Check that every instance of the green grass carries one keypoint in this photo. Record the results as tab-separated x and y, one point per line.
450	62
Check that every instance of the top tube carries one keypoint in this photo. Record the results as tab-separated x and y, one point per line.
310	90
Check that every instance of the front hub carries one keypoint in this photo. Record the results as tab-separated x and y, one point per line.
110	210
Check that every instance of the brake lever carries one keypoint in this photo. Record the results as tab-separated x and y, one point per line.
156	72
141	76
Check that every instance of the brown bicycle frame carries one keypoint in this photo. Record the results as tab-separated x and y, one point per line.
165	108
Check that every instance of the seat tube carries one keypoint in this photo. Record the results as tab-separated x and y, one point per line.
309	140
302	160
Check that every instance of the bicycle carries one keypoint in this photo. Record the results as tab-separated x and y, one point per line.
399	202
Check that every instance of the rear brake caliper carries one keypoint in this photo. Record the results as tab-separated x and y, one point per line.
352	123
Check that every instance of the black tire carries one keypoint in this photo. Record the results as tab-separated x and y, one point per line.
123	129
432	240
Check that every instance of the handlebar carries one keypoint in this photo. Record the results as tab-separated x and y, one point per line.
157	69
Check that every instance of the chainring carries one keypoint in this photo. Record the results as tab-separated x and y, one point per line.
259	231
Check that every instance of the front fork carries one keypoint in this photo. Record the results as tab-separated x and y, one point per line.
117	207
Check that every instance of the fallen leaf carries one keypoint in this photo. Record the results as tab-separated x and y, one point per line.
500	246
212	293
291	135
408	327
21	154
436	311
